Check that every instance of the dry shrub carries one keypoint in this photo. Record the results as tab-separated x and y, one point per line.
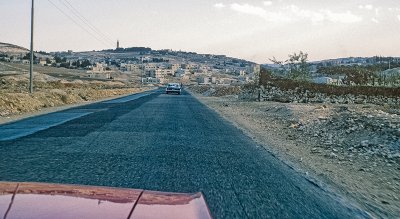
200	88
286	84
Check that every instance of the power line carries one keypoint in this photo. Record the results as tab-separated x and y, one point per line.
86	21
82	18
73	20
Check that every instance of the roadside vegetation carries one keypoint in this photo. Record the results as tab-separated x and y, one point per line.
268	79
381	72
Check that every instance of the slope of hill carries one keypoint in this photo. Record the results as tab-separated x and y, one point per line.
392	72
10	49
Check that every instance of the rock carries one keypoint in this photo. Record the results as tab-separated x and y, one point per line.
296	125
333	155
364	143
4	113
281	98
393	156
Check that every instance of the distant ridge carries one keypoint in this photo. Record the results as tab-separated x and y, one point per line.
10	49
12	45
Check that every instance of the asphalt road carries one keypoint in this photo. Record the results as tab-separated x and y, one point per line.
166	143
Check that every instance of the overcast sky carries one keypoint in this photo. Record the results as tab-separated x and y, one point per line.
250	29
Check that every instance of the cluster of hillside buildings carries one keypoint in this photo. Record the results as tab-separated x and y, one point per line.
153	66
165	66
164	72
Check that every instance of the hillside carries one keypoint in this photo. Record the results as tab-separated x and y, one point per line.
10	49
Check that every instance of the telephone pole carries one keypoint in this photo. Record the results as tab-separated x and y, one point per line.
31	62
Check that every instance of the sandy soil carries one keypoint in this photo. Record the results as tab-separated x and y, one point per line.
290	131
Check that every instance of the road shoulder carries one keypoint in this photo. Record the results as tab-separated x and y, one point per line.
47	110
372	183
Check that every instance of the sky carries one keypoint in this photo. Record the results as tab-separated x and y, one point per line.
255	30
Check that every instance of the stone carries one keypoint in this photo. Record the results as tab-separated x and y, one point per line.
333	155
322	118
393	156
364	143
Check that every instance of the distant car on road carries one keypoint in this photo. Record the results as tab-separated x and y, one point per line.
173	88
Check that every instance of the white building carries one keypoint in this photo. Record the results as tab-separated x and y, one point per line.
323	80
132	67
43	62
175	67
162	73
99	67
99	75
150	80
150	67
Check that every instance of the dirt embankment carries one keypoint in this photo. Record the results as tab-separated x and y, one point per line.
352	148
53	92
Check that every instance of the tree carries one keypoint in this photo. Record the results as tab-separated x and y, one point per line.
28	56
58	59
281	69
296	67
85	63
64	65
359	75
299	68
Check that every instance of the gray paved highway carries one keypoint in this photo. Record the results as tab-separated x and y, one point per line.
166	143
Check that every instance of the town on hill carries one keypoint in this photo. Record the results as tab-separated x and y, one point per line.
140	64
148	66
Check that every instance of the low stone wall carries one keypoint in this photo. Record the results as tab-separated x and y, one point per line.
271	93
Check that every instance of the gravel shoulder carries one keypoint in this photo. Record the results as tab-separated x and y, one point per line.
348	148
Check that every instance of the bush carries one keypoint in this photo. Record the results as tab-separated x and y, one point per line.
266	79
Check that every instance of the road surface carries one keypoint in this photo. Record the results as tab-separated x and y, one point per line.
167	143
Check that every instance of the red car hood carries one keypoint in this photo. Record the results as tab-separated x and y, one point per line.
40	200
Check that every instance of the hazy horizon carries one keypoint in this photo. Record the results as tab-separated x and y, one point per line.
251	30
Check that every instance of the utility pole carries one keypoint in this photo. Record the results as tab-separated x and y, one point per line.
31	62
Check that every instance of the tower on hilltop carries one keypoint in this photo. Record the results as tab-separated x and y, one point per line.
117	44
